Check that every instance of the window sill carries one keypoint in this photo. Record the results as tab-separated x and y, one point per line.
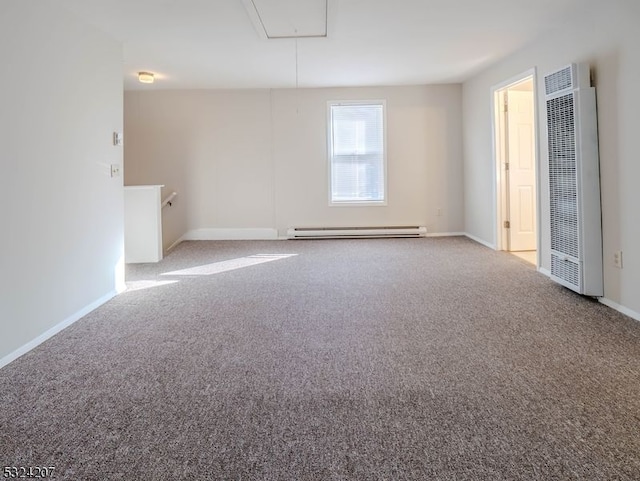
382	203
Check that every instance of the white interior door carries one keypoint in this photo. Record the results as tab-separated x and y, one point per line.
521	173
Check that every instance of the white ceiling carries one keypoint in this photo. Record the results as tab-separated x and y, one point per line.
213	43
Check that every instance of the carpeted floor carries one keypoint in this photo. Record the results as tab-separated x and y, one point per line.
382	359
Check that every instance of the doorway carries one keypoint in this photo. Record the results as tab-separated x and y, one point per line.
515	156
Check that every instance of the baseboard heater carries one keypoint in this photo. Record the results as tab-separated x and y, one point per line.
355	232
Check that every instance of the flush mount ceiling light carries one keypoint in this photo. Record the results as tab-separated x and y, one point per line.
145	77
275	19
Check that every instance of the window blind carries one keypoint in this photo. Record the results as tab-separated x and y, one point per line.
357	153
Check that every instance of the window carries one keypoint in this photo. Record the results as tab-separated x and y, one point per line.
357	160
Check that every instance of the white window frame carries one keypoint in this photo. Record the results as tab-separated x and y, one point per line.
357	203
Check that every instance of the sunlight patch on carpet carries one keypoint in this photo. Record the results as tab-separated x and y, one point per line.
229	265
139	285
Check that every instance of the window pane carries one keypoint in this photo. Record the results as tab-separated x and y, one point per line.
357	153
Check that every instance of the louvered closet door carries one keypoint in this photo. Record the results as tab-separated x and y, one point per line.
563	184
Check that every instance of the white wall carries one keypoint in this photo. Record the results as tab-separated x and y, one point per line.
212	147
258	158
62	214
605	35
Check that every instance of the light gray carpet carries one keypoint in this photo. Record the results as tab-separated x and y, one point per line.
392	359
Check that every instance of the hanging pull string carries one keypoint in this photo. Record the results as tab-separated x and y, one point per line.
296	31
297	92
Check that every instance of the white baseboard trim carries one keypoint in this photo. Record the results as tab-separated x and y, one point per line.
603	300
173	245
231	234
444	234
55	329
264	234
480	241
624	310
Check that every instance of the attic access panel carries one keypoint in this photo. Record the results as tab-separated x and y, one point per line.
288	18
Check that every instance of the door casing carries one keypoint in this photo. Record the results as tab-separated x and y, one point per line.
498	144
